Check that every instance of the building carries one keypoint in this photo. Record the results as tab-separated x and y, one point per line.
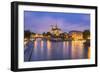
76	35
55	30
66	35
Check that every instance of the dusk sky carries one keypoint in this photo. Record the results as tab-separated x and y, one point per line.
40	22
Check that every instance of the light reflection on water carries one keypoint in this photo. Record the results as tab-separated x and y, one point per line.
57	50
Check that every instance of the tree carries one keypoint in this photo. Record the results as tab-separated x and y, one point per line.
48	33
27	34
33	33
62	35
86	34
43	33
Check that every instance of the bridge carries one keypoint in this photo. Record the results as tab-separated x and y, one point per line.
39	36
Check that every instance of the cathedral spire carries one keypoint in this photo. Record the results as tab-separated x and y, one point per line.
56	26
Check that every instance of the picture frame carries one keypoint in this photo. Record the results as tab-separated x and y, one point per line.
20	11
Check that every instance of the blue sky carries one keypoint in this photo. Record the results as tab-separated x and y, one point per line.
40	22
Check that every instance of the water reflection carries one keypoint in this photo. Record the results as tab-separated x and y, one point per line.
57	50
77	49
